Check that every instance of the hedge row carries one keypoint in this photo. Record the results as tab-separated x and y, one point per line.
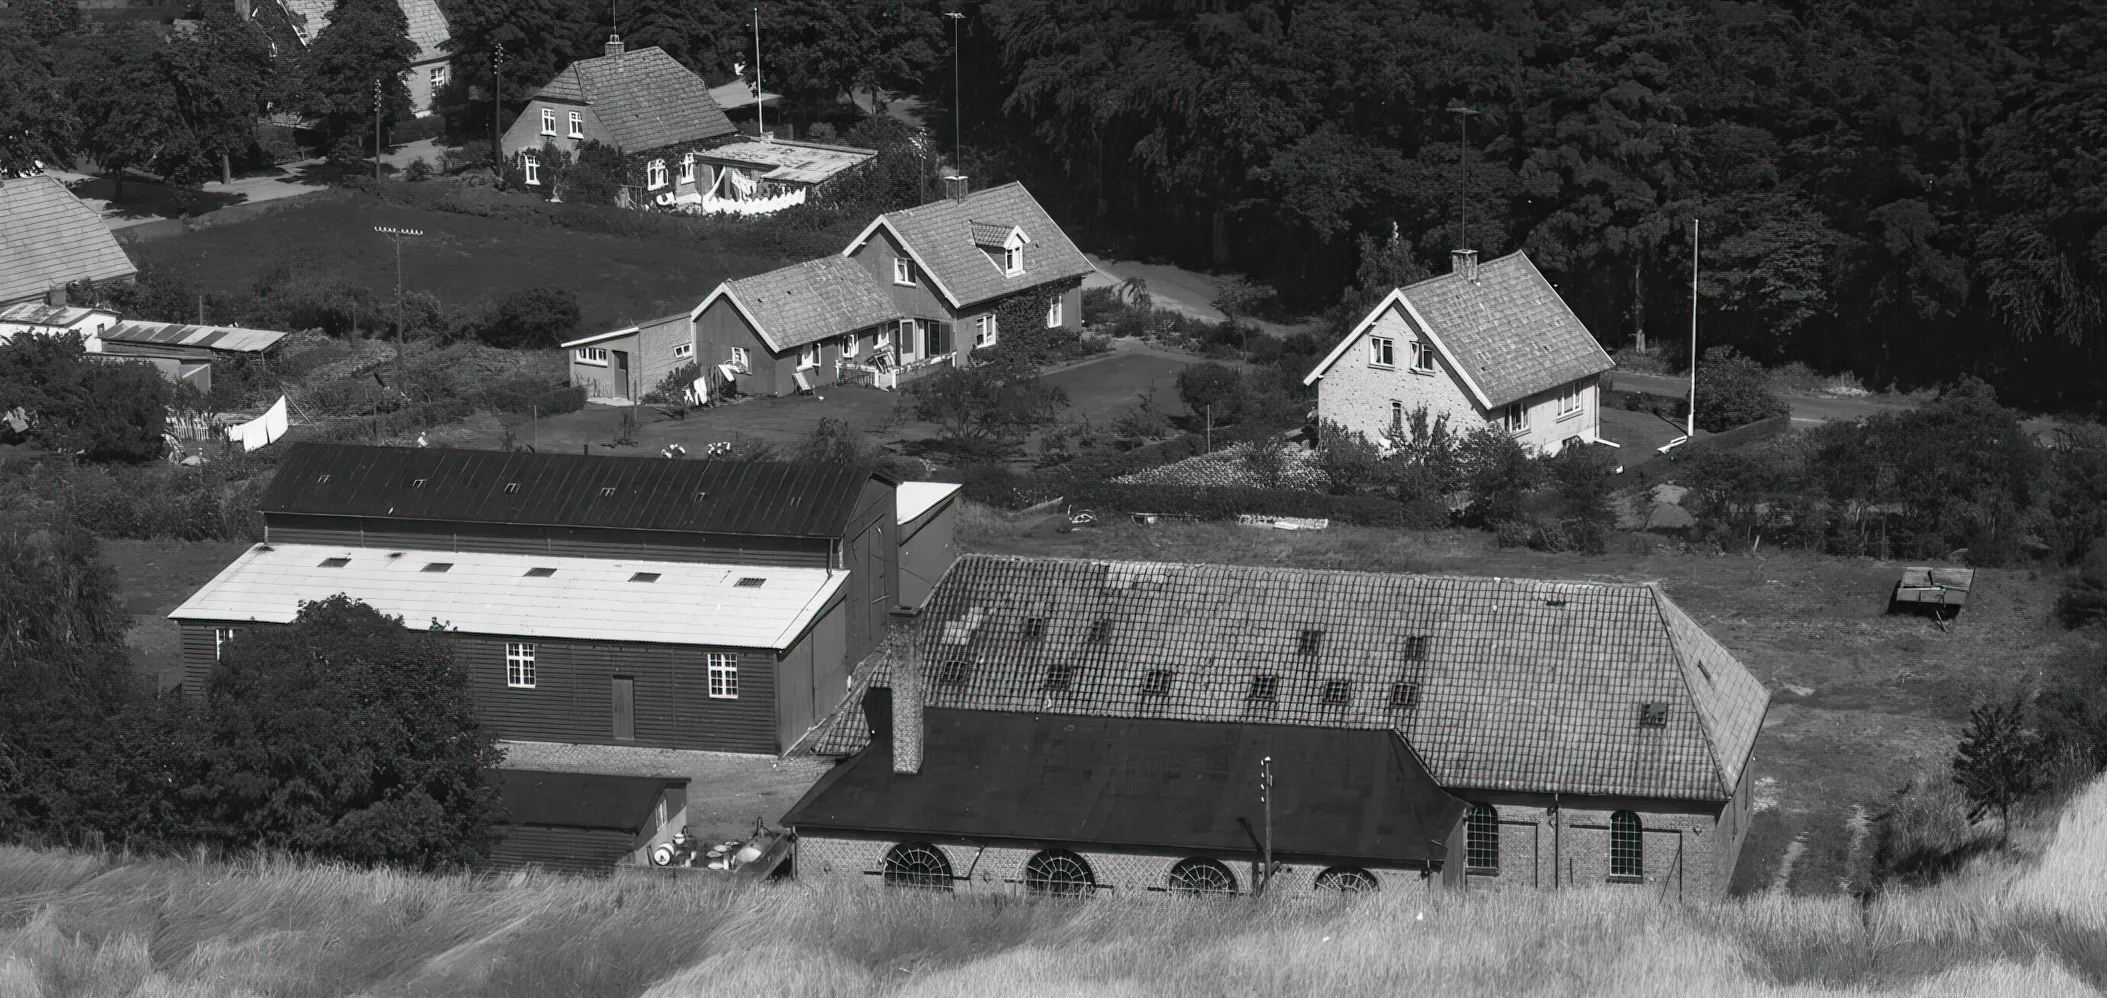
1110	466
411	419
1223	503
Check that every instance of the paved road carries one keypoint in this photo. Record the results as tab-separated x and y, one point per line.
1805	408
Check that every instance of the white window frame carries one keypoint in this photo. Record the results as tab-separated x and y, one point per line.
1013	260
849	345
904	272
531	166
683	350
986	331
687	168
437	76
548	121
910	337
1382	351
1423	357
655	174
577	124
741	362
596	356
808	357
1516	418
220	637
1397	414
1569	402
723	676
1053	314
519	665
882	338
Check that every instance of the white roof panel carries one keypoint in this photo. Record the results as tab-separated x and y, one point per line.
912	499
585	599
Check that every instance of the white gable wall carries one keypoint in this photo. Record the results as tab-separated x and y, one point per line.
1357	394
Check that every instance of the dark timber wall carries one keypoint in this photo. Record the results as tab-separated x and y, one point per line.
575	542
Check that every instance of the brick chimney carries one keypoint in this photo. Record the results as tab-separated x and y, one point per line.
1464	262
55	296
905	649
614	44
955	187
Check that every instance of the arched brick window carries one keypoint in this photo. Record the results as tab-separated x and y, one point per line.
1481	840
1627	845
1059	872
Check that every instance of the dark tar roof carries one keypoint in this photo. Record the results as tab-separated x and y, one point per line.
579	800
1175	786
759	498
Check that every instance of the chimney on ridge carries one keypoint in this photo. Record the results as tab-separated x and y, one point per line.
614	44
55	296
955	187
1465	262
906	694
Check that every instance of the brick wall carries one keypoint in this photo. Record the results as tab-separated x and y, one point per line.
1531	846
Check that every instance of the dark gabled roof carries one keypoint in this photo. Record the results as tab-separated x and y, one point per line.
49	239
578	800
644	99
941	236
1520	685
811	301
761	498
1175	786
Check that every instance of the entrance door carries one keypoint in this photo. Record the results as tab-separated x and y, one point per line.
625	708
623	388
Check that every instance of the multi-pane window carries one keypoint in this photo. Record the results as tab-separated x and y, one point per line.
1311	641
740	361
220	637
683	349
1013	261
723	676
1416	647
1627	846
1404	696
1338	693
548	121
577	125
1157	683
954	673
519	665
1053	314
985	331
903	271
1422	357
655	174
1569	400
1481	840
438	76
1264	689
1059	675
687	168
1382	351
592	355
808	357
1653	715
531	167
1517	417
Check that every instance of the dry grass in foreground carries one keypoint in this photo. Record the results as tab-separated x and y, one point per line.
74	924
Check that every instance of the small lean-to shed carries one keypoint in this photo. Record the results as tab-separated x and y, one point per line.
582	822
928	539
1940	591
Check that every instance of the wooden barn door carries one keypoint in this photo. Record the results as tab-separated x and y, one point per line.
624	694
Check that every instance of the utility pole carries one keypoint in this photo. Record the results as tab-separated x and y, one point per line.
1265	797
760	105
376	131
497	111
1464	114
397	236
958	100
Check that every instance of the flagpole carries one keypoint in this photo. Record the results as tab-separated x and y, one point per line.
760	97
1690	418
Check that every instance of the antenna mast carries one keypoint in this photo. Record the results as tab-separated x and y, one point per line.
1690	418
958	139
1464	114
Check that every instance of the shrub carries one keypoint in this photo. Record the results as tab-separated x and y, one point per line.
986	409
834	442
1229	503
1733	390
1923	834
93	409
537	317
1211	387
673	388
2084	599
1499	475
418	169
344	735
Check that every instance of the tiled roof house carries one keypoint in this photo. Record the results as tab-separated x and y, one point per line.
49	239
654	111
1574	717
1489	343
428	30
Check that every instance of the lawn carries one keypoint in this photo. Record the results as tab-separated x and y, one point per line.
1861	701
155	577
460	258
1102	389
781	421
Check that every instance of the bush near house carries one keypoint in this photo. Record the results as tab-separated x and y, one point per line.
95	410
535	318
1227	503
1733	390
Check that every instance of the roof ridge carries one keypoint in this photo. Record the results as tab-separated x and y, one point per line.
1323	572
1682	663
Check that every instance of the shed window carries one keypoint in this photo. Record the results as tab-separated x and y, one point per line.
592	355
519	665
1059	675
1627	846
723	676
1311	642
540	573
1416	647
751	582
1157	683
954	673
1653	715
644	577
1265	689
1338	693
439	566
220	637
683	349
1404	696
334	562
1481	840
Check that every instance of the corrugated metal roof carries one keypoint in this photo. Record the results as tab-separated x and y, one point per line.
762	498
584	599
34	313
227	339
812	301
941	235
49	239
1339	794
789	161
912	499
644	98
1517	684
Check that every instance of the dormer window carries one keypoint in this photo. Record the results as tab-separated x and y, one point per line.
1013	261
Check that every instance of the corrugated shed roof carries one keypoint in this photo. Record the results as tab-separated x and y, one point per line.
789	161
583	599
427	23
765	498
644	99
1519	684
941	235
811	301
229	339
49	239
1339	794
37	313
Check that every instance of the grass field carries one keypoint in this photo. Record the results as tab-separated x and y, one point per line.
75	924
154	578
1102	389
460	258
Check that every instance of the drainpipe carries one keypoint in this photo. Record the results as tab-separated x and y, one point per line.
1557	841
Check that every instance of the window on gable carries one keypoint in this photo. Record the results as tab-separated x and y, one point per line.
741	362
1059	675
1422	357
1404	696
220	637
1653	715
1311	641
334	562
1382	351
808	357
1157	683
683	349
903	271
644	577
954	673
1100	631
1416	647
985	331
577	125
1338	693
437	77
548	121
1264	689
532	167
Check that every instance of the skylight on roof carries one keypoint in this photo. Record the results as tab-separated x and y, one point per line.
1034	628
1311	642
417	484
334	563
607	491
954	673
439	566
751	582
1338	693
1157	683
1264	689
322	480
1416	647
540	573
511	487
1653	715
1058	675
644	577
1404	696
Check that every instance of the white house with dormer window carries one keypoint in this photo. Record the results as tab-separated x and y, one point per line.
1485	344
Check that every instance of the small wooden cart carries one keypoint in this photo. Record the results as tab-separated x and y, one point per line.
1940	592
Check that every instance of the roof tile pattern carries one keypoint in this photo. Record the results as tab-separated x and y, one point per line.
811	301
643	98
764	498
942	233
36	313
1518	685
49	239
1509	329
427	24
